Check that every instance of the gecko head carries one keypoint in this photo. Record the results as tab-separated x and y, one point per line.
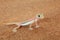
40	16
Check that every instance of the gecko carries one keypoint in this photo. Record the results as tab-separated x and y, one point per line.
29	22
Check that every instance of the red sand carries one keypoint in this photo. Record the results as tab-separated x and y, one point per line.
21	10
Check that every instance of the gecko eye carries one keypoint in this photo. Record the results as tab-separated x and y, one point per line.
38	15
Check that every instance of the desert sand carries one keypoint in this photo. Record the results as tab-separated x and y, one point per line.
21	10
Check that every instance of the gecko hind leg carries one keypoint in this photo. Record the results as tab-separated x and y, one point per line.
15	29
30	27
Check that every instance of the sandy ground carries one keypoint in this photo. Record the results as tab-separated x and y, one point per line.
21	10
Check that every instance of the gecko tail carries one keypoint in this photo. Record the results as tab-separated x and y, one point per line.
13	23
14	29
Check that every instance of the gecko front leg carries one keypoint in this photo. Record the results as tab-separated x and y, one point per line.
36	23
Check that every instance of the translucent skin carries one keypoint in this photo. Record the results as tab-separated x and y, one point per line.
29	22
